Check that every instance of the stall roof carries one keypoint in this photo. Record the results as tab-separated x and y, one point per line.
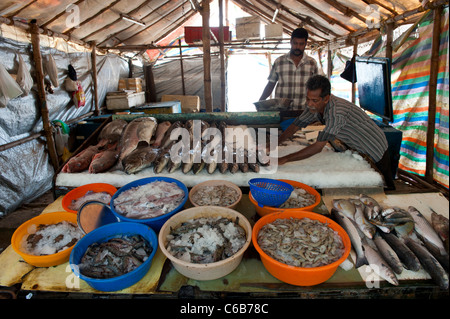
103	21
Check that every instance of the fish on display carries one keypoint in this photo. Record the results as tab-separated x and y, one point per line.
161	161
166	141
429	263
353	234
367	228
160	133
223	164
440	225
104	160
137	133
345	206
367	200
254	167
214	153
388	253
112	132
142	157
405	254
244	167
379	266
81	161
196	144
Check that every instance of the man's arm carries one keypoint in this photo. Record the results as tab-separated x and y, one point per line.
304	153
288	133
267	90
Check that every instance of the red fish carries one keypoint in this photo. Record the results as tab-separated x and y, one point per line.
81	161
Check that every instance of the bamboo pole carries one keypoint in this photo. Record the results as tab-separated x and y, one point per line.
42	101
222	60
206	55
94	77
182	67
434	69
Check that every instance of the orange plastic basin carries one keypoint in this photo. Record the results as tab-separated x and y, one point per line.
299	276
44	219
262	211
82	190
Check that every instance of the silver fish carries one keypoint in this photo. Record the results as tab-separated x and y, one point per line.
142	157
388	253
352	232
367	200
426	231
405	254
379	266
440	225
367	228
345	206
431	265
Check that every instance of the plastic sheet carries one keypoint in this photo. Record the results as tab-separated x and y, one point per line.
25	170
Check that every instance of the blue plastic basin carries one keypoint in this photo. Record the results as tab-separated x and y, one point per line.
155	222
104	233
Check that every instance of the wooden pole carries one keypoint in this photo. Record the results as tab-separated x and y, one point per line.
94	77
150	88
330	63
222	60
434	69
42	100
355	53
206	55
182	67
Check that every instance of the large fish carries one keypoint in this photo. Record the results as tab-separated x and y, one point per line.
440	225
379	266
81	161
104	160
142	157
161	161
167	141
161	131
426	231
388	253
405	254
137	133
431	265
352	232
367	228
345	206
112	132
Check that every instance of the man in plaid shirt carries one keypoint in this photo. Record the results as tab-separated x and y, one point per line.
291	71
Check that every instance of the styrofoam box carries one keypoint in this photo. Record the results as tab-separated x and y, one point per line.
273	30
248	27
124	101
189	103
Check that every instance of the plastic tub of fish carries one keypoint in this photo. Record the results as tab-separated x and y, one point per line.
315	243
151	201
216	193
209	257
47	240
131	246
302	198
100	192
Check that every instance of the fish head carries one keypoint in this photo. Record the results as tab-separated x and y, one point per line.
405	229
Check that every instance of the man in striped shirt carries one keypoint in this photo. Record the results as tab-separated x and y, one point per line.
291	71
343	120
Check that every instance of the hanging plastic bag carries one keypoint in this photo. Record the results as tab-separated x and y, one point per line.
9	88
78	96
71	81
24	78
52	70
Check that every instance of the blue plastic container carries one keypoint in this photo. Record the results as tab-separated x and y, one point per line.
104	233
155	222
269	192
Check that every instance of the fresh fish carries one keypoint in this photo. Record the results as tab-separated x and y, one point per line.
166	141
173	166
137	133
440	225
345	206
388	253
213	156
429	263
112	132
367	228
104	160
198	167
352	232
161	161
426	231
223	164
405	254
367	200
379	266
142	157
81	161
160	133
196	145
254	167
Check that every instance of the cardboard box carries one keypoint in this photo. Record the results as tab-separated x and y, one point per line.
124	100
273	31
248	27
189	103
134	84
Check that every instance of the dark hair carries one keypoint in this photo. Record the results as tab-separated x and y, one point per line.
300	33
319	82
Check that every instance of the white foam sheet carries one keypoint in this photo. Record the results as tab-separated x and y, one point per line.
327	169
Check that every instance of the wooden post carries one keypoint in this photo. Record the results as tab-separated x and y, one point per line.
222	60
42	100
434	69
94	77
150	89
206	56
355	53
330	63
182	68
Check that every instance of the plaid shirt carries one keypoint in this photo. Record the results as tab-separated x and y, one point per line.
292	80
350	124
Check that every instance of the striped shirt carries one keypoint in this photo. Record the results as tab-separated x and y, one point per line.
348	123
291	79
